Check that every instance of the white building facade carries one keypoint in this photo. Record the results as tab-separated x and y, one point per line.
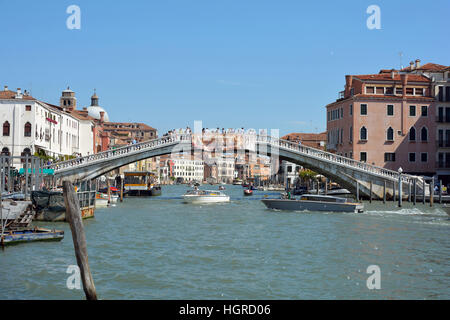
188	170
30	126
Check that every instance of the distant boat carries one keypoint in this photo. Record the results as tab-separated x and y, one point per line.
28	235
155	191
313	202
248	192
101	200
221	188
205	196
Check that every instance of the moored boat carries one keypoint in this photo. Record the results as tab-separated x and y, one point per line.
248	192
155	191
205	196
312	202
31	234
101	200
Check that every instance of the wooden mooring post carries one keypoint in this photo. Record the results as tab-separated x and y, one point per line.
431	191
440	191
415	191
121	190
423	191
400	191
393	191
73	213
384	191
370	197
357	190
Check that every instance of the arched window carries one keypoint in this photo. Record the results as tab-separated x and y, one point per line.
5	152
6	129
412	134
27	129
26	152
363	133
424	134
390	134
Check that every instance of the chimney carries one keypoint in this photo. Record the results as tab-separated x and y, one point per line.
102	116
19	93
404	82
348	85
392	73
417	63
6	88
411	66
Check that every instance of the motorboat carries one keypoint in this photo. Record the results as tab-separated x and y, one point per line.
312	202
221	188
205	196
248	192
101	200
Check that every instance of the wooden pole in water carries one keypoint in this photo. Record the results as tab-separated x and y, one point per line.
109	190
318	186
393	191
121	189
440	191
409	191
384	191
423	191
431	191
370	198
73	214
326	185
357	190
400	191
415	191
26	177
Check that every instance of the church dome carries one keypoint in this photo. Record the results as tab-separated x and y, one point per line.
94	112
94	109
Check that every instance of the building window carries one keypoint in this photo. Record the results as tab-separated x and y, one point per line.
424	110
379	90
5	152
412	134
424	134
27	132
390	134
412	111
412	157
389	90
328	115
28	108
351	134
398	90
342	113
410	91
424	157
370	90
363	133
419	92
390	110
363	156
351	108
389	157
364	109
447	93
441	94
6	129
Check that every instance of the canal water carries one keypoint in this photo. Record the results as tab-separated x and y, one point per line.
160	248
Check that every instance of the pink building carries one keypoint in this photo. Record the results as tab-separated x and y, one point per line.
386	119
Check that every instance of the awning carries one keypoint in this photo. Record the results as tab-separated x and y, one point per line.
45	171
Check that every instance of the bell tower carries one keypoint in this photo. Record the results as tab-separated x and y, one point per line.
68	100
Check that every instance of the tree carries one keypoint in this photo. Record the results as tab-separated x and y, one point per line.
307	175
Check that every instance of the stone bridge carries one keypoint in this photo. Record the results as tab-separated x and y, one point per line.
349	173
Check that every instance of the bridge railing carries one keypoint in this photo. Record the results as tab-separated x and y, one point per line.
166	140
129	149
337	159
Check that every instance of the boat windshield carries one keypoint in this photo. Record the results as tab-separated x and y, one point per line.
323	198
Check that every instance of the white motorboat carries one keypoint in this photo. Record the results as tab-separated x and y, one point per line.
101	200
205	196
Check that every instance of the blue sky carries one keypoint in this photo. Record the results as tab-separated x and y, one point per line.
257	64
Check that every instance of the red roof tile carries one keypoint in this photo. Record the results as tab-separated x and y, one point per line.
7	95
387	77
